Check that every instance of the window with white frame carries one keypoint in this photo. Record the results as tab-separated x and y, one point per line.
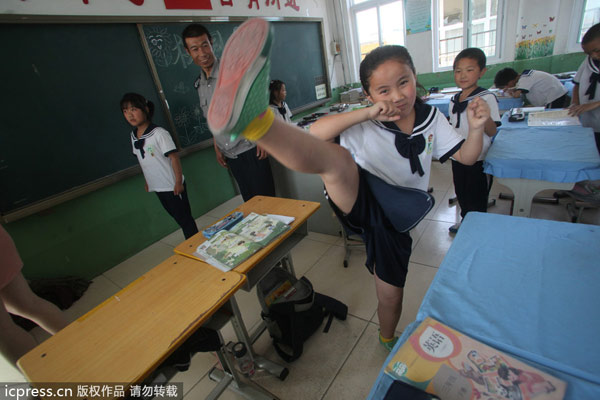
466	23
377	23
589	17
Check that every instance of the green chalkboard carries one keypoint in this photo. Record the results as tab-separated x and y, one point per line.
297	58
60	125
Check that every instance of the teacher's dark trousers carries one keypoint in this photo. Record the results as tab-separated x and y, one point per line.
253	176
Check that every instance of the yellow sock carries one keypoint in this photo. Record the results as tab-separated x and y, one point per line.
385	340
259	125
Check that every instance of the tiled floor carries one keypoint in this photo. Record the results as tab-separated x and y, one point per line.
343	363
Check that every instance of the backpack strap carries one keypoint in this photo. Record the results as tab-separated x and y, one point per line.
331	305
297	344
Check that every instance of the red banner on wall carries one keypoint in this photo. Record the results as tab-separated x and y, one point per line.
188	5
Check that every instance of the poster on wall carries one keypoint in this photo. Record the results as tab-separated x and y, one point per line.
536	31
418	16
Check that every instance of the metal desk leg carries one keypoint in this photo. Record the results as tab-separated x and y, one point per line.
525	190
229	378
287	263
242	334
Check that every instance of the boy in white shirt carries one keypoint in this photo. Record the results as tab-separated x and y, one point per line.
540	88
471	184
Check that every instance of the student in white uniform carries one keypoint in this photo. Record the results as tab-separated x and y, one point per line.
586	96
586	92
471	184
278	93
157	155
540	88
385	160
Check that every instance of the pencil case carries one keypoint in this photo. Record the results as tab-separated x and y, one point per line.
225	223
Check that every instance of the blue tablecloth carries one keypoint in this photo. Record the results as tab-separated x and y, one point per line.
504	103
553	153
568	83
528	287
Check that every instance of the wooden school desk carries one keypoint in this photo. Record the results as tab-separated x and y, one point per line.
262	261
257	266
126	337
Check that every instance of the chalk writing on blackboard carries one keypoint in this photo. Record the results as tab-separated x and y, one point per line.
182	87
191	123
166	48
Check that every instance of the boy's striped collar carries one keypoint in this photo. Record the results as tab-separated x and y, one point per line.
478	92
593	65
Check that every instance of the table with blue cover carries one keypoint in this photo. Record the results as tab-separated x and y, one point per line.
527	287
529	159
504	103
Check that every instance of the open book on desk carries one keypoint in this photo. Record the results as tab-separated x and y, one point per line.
451	365
228	248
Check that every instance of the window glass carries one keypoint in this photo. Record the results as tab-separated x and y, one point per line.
367	26
392	23
452	11
591	16
450	46
478	8
455	32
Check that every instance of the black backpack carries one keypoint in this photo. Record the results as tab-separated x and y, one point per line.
293	311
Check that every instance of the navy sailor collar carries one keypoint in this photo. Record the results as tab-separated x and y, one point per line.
593	65
458	107
477	92
410	146
139	143
147	133
424	115
594	78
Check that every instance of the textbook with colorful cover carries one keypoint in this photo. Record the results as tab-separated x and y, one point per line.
228	248
453	366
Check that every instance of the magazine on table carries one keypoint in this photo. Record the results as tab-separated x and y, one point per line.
444	362
228	248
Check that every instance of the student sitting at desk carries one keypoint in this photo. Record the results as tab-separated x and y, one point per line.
471	184
18	299
277	100
540	88
387	146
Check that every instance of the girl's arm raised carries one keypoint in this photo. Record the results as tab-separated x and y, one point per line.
331	126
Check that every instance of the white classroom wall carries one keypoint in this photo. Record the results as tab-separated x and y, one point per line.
420	45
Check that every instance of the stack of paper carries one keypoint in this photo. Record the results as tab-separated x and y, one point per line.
552	118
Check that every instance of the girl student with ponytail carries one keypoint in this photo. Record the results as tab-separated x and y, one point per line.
157	154
377	178
277	102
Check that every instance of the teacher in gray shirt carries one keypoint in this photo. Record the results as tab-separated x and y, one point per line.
247	161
